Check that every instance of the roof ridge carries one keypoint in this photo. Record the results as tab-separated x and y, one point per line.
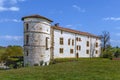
36	16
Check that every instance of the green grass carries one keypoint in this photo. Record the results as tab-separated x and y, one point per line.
83	69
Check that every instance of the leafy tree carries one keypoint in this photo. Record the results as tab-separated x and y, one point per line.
12	55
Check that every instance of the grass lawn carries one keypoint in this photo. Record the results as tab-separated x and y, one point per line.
83	69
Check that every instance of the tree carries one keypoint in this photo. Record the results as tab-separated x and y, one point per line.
105	38
12	55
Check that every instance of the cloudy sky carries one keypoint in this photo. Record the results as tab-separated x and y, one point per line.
93	16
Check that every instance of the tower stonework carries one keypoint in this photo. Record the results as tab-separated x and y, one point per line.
37	40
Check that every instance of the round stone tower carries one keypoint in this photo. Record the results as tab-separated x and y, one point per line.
37	40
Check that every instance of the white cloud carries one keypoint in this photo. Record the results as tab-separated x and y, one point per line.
10	20
15	1
9	9
9	37
11	3
78	8
14	9
112	18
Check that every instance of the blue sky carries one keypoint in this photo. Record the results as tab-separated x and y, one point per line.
93	16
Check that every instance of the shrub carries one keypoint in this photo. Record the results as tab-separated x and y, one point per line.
36	64
107	54
117	54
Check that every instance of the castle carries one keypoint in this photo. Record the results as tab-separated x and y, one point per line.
43	42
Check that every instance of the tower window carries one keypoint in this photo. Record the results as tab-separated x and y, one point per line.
61	41
27	39
27	53
47	43
27	26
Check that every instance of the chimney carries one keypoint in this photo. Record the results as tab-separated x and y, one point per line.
57	24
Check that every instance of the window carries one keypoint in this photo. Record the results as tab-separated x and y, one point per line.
27	25
87	44
76	38
96	38
61	41
87	51
27	53
96	51
68	41
73	42
47	43
96	44
27	39
79	47
61	32
71	51
79	39
61	50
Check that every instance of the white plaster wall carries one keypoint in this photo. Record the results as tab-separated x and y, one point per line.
65	46
82	43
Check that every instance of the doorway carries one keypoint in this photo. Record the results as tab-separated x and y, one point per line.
77	55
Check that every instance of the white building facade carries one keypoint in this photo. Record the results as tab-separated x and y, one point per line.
43	42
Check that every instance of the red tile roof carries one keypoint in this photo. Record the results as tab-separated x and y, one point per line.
36	16
75	31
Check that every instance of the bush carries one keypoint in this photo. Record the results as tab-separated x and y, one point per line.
117	54
107	54
36	64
